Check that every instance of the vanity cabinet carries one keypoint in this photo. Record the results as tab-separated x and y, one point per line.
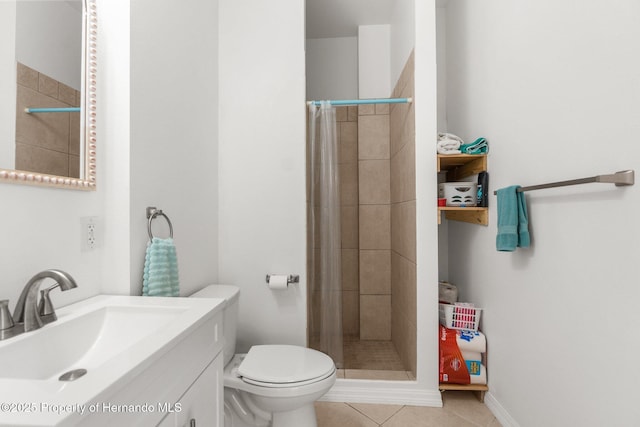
201	405
183	384
458	167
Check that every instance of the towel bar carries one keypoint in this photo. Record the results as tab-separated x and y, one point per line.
152	213
621	178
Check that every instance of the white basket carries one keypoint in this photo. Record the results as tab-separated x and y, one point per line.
459	193
459	317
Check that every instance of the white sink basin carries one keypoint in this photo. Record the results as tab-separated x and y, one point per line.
85	341
112	337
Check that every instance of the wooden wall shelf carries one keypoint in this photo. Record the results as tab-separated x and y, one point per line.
473	215
458	167
479	389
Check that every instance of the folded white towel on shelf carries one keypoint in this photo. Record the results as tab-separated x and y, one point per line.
448	148
448	143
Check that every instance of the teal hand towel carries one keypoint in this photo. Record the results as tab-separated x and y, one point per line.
160	275
524	240
513	221
479	146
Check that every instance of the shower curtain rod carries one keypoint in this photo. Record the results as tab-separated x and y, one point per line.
339	102
52	110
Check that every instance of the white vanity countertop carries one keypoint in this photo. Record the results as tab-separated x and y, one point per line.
113	337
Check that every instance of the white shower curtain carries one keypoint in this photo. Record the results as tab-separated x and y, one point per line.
324	201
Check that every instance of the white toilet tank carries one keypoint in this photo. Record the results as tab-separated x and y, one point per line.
231	294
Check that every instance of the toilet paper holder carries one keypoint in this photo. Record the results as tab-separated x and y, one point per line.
291	278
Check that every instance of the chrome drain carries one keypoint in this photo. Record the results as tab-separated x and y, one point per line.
72	375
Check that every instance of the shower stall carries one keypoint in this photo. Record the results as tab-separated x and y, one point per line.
373	294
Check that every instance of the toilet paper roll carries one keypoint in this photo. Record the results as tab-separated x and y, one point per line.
278	281
471	341
472	355
481	378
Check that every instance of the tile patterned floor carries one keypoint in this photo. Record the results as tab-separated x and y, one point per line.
461	409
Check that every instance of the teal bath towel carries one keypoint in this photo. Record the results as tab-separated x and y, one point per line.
479	146
513	221
160	276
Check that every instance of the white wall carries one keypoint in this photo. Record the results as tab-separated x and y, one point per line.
174	112
367	66
113	152
42	225
441	58
403	34
554	86
423	25
373	61
262	219
332	68
42	231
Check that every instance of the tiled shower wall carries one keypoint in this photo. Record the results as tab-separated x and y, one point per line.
387	221
374	222
46	142
403	220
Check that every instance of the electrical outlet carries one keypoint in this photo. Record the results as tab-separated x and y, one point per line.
89	234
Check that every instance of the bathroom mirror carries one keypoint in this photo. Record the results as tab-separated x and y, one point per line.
48	68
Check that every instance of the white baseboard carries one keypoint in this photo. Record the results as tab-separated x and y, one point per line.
382	392
499	412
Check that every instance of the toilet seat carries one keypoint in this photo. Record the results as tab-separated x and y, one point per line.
284	366
287	385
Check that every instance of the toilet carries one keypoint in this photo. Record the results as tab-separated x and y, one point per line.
271	385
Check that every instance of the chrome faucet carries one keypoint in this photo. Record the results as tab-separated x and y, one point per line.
26	311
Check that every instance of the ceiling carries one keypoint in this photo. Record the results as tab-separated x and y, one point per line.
340	18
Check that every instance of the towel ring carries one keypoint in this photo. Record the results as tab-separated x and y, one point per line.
152	213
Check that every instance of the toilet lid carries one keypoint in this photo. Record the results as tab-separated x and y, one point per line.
284	364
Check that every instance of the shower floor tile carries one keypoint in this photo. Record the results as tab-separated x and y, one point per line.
371	355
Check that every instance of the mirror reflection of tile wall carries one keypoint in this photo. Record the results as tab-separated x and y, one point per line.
47	143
